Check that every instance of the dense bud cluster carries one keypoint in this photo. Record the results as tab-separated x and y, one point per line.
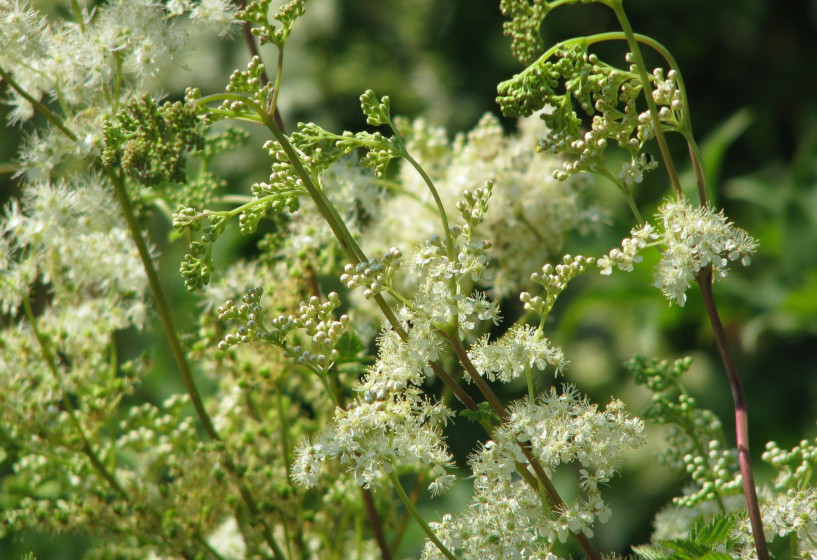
715	475
554	279
314	318
373	275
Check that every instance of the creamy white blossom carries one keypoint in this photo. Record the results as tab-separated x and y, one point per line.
691	238
518	350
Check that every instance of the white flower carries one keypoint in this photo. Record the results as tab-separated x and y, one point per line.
218	15
692	239
507	358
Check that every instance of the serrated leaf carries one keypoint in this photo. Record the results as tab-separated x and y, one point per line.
713	555
349	346
650	552
685	549
715	531
483	412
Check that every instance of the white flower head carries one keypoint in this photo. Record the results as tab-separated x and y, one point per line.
694	238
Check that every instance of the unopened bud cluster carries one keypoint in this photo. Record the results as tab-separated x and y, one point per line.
372	275
380	393
474	205
795	467
716	475
314	318
186	218
250	81
250	313
666	93
318	323
628	255
554	280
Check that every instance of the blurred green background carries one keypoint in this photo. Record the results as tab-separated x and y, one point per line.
750	72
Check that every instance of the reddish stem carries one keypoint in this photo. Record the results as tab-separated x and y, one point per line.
741	420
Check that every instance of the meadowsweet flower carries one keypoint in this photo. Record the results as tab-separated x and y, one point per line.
692	238
505	518
216	15
791	513
100	260
565	427
391	424
24	44
528	207
507	358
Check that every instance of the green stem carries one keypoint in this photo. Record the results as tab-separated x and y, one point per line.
52	117
701	176
78	14
529	380
162	306
87	448
449	242
166	318
618	8
401	492
278	74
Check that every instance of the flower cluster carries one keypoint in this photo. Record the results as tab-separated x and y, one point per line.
96	283
692	239
520	349
391	424
506	517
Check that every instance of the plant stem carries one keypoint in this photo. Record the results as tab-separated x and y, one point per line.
741	418
166	317
87	448
419	518
162	306
632	42
377	526
52	117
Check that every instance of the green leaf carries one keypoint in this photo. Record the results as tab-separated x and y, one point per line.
685	549
650	552
483	412
349	346
714	147
714	531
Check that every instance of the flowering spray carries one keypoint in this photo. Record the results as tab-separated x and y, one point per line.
367	322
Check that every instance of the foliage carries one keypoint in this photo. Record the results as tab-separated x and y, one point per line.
396	286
